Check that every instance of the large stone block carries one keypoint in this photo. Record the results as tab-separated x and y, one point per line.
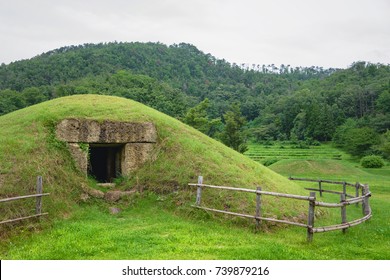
91	131
79	156
135	155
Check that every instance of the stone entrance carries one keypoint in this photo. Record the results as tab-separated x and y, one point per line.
105	161
108	149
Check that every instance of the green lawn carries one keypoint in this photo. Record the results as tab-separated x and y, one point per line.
149	228
165	226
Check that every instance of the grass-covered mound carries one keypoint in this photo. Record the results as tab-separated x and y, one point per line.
28	148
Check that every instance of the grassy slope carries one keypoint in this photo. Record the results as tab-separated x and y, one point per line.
374	235
138	233
183	152
281	150
377	230
28	149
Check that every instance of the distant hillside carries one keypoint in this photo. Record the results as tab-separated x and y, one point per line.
183	65
284	102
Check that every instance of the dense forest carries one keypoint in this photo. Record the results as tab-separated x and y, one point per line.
230	102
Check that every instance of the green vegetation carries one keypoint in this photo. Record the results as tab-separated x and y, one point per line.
233	135
306	119
372	162
279	103
358	141
182	153
198	117
274	151
150	226
146	230
154	225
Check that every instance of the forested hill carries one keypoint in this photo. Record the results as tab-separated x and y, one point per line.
274	102
183	65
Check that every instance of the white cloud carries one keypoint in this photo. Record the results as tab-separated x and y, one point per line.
328	33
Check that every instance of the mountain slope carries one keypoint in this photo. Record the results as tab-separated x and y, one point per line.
282	103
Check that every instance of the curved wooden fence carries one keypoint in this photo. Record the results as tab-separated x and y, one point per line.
312	203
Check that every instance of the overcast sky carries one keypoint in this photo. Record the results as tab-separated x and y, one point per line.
328	33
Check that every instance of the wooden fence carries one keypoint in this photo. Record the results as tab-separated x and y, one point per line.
357	186
312	203
38	204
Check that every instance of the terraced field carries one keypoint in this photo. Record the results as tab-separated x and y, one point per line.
280	150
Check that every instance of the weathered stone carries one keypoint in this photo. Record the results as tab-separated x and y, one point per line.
128	193
114	210
135	155
129	145
107	185
91	131
80	156
92	192
84	197
112	196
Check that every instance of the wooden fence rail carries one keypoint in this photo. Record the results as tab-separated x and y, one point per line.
364	198
357	186
38	204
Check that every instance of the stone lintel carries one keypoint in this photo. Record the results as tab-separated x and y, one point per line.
91	131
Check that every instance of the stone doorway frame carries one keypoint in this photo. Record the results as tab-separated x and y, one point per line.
136	139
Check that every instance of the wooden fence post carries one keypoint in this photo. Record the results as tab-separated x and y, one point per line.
38	204
258	208
310	219
343	212
320	187
199	190
345	188
368	201
357	192
365	204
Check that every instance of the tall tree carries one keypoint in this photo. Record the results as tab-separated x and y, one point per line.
198	118
233	134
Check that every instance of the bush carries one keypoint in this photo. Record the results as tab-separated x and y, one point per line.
316	143
301	145
269	161
372	162
359	141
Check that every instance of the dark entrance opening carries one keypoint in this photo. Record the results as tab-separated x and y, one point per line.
105	161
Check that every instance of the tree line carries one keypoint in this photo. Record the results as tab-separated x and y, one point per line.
229	102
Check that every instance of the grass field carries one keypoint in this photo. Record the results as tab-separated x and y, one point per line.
140	233
160	222
153	229
28	147
285	150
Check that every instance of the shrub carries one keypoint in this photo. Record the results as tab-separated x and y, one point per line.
372	161
301	145
359	141
269	161
316	143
